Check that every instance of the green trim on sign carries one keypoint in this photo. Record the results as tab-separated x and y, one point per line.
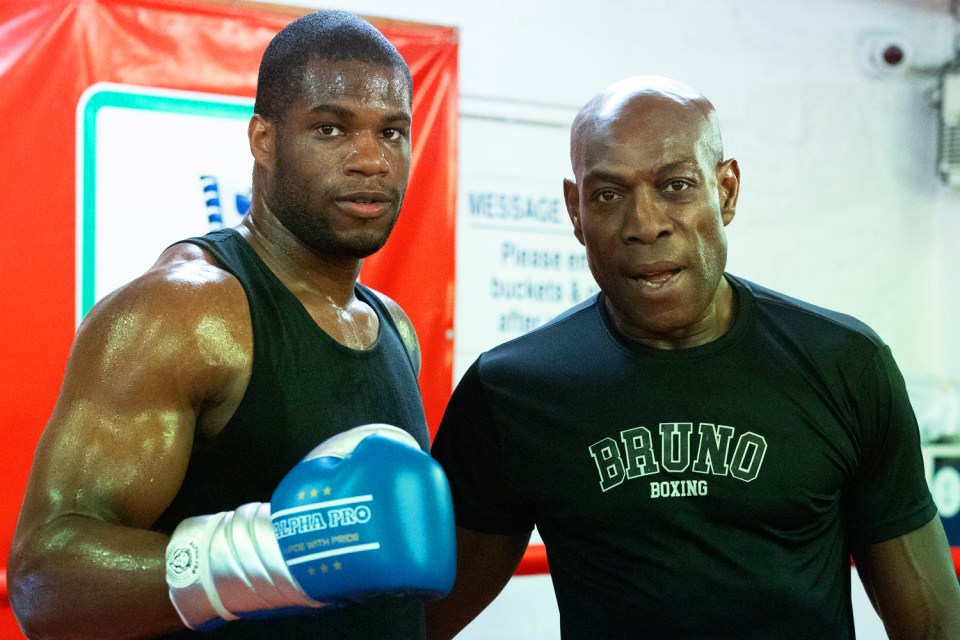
128	99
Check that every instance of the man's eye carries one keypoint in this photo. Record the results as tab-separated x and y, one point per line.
394	134
677	185
329	130
606	196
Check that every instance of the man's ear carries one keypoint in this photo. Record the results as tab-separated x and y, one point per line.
262	134
728	188
572	197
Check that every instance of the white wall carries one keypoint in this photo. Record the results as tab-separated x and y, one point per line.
840	202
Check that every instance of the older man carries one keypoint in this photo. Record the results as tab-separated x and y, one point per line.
700	455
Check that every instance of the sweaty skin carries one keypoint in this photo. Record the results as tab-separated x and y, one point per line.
158	367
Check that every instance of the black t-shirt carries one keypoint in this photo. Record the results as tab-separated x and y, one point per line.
710	492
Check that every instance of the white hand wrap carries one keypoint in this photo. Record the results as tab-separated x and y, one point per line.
222	566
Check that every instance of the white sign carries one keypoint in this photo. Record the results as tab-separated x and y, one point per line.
518	262
153	167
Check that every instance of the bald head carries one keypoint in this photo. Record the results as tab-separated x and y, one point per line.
650	201
653	99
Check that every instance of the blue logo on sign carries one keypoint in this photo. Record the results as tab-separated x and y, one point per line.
212	201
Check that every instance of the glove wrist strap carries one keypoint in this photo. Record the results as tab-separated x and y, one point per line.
222	566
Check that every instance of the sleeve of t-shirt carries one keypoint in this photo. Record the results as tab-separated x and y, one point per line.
889	496
467	448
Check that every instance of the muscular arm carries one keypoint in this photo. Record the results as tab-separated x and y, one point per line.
911	582
485	563
84	562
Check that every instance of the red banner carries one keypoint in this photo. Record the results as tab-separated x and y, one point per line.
50	52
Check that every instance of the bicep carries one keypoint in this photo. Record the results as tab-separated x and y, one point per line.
485	563
147	361
912	584
118	440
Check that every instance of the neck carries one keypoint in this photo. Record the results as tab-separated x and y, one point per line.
713	323
295	264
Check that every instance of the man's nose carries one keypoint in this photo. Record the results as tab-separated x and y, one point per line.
367	155
645	218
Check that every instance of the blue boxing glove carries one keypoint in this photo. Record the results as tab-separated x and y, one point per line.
366	513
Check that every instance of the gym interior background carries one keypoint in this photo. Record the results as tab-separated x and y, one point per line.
843	114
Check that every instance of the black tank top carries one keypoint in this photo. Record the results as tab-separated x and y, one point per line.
304	388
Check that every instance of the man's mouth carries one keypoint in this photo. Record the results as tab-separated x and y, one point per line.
657	278
365	205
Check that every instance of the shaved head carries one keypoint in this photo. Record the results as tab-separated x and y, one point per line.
646	96
650	198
